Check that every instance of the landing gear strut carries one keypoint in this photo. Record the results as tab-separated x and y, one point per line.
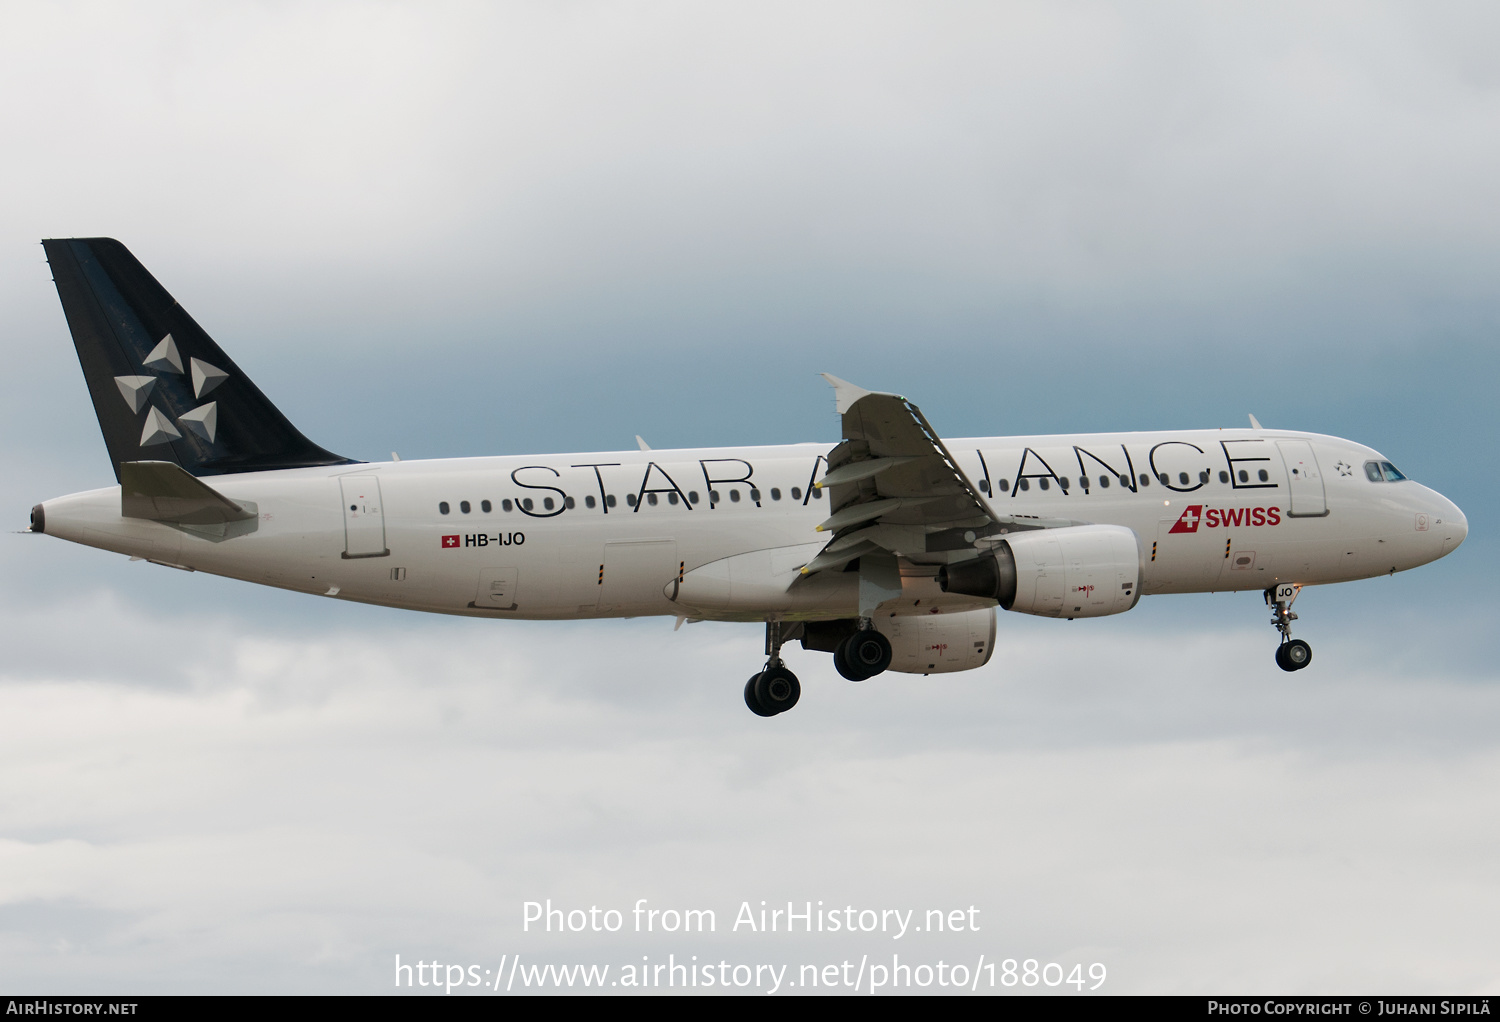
862	655
775	689
1292	654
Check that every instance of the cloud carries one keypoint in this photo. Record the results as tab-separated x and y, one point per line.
285	813
959	162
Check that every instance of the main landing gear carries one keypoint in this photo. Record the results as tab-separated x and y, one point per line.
862	655
1292	654
775	689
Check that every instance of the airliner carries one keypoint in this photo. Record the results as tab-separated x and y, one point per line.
891	549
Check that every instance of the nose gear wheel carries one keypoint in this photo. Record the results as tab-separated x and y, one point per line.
1292	654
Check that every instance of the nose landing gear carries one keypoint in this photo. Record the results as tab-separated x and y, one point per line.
775	689
1292	654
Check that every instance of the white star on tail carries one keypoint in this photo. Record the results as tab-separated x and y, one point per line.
164	356
203	420
135	390
205	377
158	430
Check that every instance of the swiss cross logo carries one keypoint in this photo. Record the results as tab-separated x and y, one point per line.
450	541
1191	516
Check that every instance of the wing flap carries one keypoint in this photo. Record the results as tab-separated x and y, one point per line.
837	558
854	471
894	487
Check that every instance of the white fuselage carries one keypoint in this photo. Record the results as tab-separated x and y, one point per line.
608	535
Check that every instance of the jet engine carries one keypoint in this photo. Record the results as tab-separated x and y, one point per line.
1079	571
936	643
939	643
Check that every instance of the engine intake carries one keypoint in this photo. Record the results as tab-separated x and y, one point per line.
1080	571
992	577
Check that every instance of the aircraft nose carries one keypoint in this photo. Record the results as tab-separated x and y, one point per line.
1449	523
1458	525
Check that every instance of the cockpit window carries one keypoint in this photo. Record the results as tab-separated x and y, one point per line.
1382	472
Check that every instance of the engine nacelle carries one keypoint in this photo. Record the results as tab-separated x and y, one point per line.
940	643
1080	571
920	643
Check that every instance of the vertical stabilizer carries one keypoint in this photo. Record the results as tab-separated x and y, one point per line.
163	390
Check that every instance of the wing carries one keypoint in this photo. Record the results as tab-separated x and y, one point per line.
895	488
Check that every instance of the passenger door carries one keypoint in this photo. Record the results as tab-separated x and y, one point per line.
364	517
1308	499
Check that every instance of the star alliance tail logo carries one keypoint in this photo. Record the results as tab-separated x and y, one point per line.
136	390
1191	516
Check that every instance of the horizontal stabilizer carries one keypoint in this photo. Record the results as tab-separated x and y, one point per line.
163	492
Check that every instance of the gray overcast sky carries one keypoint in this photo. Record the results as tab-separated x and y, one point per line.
451	229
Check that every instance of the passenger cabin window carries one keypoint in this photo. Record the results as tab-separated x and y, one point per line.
443	505
463	506
486	506
506	505
775	493
796	493
588	502
1223	476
